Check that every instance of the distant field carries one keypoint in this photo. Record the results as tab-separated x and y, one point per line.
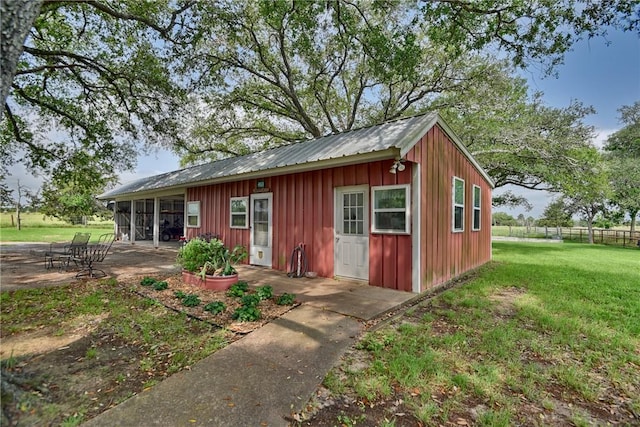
38	228
620	236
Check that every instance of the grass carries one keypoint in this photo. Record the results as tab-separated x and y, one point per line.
155	341
38	228
544	331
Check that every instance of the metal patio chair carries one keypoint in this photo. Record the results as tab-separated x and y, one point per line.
63	252
93	254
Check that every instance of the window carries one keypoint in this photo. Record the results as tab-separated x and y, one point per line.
476	208
390	209
458	204
353	213
193	214
239	212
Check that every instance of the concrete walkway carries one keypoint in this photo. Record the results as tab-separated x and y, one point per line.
271	373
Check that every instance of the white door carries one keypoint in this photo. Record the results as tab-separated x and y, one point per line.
261	229
352	232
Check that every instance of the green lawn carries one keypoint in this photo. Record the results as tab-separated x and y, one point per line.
545	335
38	228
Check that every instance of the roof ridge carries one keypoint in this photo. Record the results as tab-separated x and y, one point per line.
344	132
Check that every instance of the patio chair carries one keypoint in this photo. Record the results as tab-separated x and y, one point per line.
94	254
63	252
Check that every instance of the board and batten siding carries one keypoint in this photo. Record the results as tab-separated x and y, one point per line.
303	212
445	254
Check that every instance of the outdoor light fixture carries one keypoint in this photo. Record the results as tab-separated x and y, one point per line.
397	166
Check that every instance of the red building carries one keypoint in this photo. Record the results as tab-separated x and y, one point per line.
401	205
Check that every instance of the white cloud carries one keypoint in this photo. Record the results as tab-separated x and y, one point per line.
601	137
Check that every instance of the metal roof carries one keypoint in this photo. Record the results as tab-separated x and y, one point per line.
398	135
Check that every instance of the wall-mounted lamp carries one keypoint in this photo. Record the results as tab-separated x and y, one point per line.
397	165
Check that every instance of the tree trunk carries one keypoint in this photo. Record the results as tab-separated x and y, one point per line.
634	215
18	225
17	19
590	229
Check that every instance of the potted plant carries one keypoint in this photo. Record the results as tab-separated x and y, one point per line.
210	264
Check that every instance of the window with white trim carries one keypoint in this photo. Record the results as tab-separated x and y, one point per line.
477	193
457	192
193	214
390	209
239	212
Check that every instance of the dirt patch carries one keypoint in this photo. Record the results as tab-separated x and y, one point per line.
504	301
75	370
44	340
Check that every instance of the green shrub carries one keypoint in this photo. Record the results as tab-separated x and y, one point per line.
246	314
215	307
191	300
160	286
251	300
238	290
188	300
286	299
264	292
148	281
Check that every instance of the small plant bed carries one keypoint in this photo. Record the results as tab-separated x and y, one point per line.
71	352
240	309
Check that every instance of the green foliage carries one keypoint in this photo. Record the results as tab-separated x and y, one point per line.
286	299
160	286
626	141
191	300
623	156
511	332
215	307
264	292
246	314
237	290
251	300
511	200
72	198
502	218
210	257
556	214
100	80
514	136
148	281
179	294
195	254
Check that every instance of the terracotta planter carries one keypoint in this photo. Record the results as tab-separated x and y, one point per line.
214	283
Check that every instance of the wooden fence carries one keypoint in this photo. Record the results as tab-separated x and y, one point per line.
577	234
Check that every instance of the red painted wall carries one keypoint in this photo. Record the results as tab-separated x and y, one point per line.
303	211
446	254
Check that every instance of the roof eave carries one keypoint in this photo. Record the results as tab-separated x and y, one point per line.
389	153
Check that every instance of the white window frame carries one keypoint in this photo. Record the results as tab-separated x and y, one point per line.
407	209
188	214
478	208
245	213
455	205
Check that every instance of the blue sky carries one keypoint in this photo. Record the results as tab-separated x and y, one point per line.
602	72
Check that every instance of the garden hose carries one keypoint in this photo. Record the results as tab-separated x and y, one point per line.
299	263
